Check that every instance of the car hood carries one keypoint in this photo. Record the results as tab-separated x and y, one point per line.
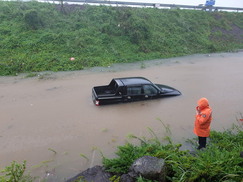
167	90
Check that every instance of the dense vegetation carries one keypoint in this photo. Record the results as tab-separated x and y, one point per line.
220	162
38	37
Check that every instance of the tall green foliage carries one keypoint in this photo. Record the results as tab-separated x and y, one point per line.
40	36
219	162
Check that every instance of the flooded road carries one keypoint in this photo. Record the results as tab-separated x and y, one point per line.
51	121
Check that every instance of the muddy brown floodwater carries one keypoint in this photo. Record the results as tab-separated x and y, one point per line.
51	122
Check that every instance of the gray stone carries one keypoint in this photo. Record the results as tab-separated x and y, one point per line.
149	167
127	178
94	174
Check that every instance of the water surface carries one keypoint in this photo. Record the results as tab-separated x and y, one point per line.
52	123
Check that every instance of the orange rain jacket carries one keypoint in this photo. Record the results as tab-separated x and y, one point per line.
203	118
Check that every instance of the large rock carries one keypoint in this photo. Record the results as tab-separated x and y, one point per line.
94	174
127	178
149	167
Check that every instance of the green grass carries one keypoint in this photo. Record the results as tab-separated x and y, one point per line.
37	37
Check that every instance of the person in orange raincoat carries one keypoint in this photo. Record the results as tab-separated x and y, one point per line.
203	120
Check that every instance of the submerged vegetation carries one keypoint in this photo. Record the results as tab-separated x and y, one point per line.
38	37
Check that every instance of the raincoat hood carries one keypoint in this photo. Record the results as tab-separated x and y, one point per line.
202	103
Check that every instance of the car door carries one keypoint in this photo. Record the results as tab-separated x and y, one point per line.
150	91
134	93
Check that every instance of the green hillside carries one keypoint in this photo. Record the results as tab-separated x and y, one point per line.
40	36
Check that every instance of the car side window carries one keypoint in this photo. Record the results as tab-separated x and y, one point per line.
135	90
149	90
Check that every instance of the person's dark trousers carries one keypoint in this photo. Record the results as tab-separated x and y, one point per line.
202	142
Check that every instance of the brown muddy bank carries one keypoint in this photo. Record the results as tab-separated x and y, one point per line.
54	112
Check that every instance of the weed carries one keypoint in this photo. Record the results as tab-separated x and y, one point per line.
43	163
31	75
115	178
15	173
220	161
84	156
105	130
52	150
143	66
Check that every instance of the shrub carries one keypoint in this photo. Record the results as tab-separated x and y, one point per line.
32	19
220	161
15	173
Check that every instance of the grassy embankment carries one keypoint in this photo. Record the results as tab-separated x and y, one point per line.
38	37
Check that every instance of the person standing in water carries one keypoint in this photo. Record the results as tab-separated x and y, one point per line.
203	120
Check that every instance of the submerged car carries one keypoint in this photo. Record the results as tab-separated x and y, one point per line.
130	89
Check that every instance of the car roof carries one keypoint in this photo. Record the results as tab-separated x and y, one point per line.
133	80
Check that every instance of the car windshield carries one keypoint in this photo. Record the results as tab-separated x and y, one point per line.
149	89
